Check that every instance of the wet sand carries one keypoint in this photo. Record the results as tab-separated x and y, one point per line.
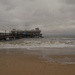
32	64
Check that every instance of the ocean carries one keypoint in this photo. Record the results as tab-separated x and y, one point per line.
39	42
43	47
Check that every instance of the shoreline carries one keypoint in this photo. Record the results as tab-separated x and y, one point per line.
58	55
40	51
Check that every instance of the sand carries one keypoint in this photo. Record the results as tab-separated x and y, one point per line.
30	64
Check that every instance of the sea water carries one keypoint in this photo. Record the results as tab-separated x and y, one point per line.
44	47
39	42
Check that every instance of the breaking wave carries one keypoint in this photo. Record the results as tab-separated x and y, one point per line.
39	42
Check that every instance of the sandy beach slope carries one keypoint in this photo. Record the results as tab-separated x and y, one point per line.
30	64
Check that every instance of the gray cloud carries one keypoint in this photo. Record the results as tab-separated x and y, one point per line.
69	1
52	16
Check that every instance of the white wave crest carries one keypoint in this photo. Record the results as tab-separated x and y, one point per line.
45	42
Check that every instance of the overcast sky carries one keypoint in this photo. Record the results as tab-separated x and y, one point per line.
52	16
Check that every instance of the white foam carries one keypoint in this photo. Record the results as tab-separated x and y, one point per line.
40	43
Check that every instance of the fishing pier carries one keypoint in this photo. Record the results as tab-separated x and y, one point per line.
18	34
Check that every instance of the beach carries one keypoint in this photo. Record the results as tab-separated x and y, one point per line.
30	62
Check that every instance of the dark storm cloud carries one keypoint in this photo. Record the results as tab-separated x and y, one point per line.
52	16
